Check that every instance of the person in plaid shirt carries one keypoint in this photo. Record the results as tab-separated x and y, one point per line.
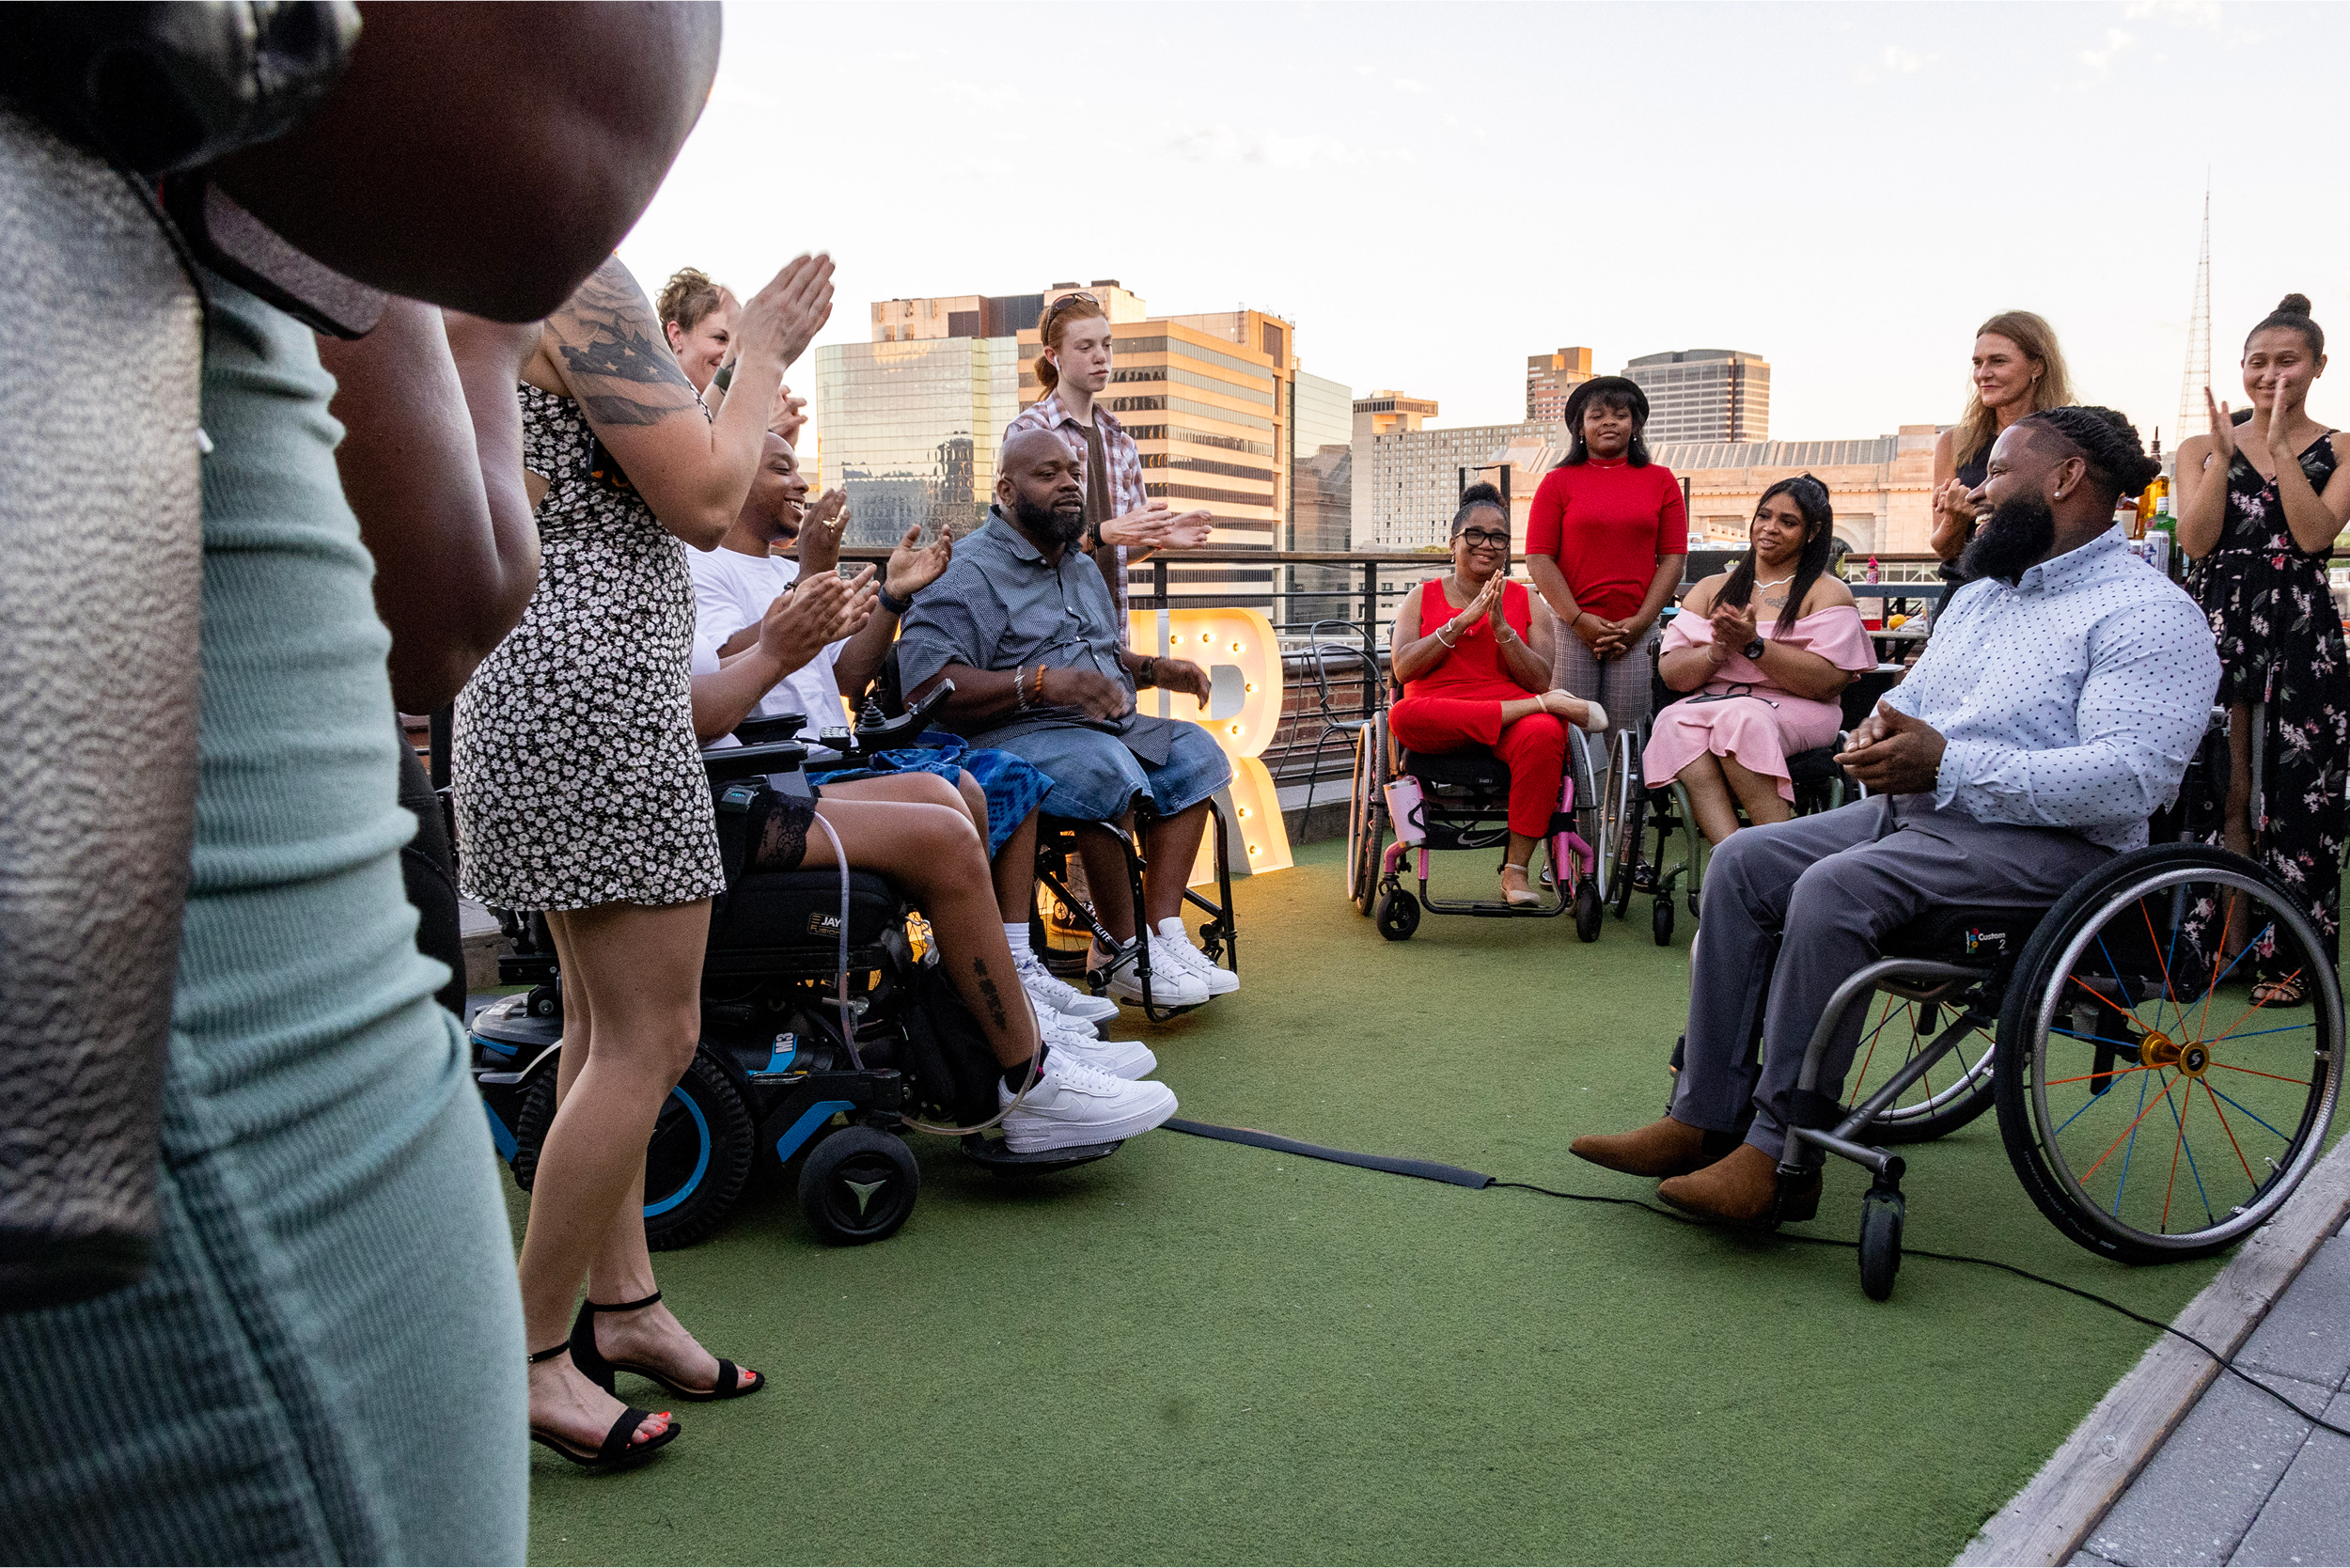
1122	523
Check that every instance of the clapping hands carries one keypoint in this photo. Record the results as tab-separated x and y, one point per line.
817	612
820	529
911	571
1157	527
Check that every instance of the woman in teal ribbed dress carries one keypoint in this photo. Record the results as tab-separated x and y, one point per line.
325	1363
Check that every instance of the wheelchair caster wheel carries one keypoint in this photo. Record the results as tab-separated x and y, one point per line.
1398	915
1588	910
1881	1214
858	1185
1661	921
544	1001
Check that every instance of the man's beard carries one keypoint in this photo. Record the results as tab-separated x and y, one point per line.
1063	526
2011	540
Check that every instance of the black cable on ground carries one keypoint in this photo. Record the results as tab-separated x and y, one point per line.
1457	1176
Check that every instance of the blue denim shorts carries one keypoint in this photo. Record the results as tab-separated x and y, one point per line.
1095	777
1012	787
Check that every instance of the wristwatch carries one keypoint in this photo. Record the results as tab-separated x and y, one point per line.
890	604
1753	649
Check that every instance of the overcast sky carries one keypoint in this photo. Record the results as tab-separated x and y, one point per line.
1434	192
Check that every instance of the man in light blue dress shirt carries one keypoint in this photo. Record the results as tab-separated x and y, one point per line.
2053	711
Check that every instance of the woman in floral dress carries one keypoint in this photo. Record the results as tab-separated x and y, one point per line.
580	792
2261	505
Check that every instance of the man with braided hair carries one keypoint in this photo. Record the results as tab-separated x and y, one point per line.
2053	711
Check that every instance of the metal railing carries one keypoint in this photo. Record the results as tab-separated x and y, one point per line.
1331	611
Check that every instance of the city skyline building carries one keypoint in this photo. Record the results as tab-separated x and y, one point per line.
1408	480
1704	395
1321	492
1551	378
911	427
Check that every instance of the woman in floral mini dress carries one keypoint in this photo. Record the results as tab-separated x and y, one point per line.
2260	506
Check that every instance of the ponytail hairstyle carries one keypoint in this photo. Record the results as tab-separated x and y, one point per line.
1070	307
2293	313
2032	333
1620	394
2108	444
1819	544
1480	497
687	298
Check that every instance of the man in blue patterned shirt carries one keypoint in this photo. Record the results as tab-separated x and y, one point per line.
2053	711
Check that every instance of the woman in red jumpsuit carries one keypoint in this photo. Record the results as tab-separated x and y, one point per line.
1475	667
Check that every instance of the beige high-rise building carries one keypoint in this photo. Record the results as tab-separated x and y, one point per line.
1550	379
1705	395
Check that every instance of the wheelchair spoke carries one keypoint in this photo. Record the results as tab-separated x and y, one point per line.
2126	1133
2132	1135
2247	1110
2092	1077
2258	1073
2214	1096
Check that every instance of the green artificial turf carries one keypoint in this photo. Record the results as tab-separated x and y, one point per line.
1199	1352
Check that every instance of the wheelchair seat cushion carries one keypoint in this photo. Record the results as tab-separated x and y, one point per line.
1964	934
1469	768
793	909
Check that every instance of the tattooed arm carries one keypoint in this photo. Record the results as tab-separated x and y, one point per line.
604	349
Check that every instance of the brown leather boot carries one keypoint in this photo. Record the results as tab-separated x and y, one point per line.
1742	1188
1665	1147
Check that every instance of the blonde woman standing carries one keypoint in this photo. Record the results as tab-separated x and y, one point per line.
2017	369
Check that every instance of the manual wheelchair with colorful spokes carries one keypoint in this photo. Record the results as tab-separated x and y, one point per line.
2152	1108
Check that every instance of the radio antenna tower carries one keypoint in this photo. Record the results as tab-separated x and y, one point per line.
2194	414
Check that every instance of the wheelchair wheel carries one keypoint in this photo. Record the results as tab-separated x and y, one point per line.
530	1128
697	1159
1628	854
2152	1109
1661	919
1399	915
1589	909
1367	814
858	1184
1946	1097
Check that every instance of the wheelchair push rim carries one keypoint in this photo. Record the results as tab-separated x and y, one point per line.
2153	1110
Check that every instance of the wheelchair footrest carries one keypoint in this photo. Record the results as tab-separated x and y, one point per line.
996	1154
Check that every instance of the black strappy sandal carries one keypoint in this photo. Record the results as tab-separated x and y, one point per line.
589	1360
617	1451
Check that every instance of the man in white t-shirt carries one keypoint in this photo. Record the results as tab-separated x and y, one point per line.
734	587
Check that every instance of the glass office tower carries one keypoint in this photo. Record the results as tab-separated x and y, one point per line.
911	431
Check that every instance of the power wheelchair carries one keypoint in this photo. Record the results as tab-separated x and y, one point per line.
2092	1026
825	1033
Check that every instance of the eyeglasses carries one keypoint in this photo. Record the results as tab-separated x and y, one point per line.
1480	538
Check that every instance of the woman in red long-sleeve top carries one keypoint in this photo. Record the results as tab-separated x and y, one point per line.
1605	543
1476	671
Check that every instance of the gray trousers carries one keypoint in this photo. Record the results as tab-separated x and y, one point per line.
1797	907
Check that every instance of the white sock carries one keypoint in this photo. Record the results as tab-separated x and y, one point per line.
1017	935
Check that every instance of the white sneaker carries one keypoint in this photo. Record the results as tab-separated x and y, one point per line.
1120	1059
1172	982
1054	994
1073	1105
1220	982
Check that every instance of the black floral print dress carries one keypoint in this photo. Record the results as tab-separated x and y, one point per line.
577	780
2281	644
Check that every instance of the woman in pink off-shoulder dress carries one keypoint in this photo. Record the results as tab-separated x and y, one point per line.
1766	650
